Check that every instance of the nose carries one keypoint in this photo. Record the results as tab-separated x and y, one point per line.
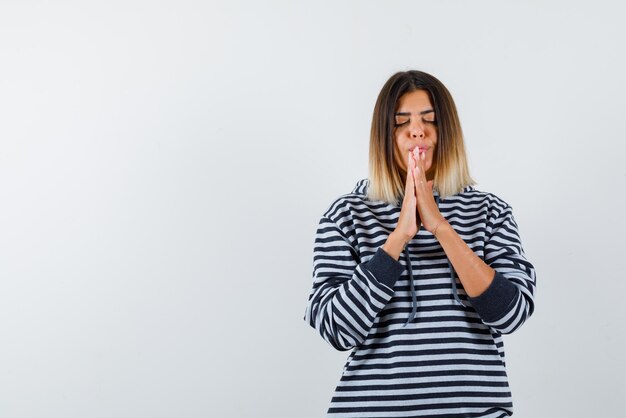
416	130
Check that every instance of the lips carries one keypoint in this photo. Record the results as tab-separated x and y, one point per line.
420	149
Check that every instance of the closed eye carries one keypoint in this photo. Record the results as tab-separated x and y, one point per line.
398	124
404	121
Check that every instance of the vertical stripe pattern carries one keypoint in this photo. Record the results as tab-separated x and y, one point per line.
449	361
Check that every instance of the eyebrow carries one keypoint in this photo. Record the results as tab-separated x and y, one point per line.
423	112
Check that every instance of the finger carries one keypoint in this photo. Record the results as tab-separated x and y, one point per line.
415	158
419	171
417	174
421	160
416	165
418	160
420	184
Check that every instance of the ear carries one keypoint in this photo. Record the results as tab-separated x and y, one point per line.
429	183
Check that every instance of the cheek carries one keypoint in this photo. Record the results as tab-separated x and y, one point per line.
398	153
396	141
434	135
401	159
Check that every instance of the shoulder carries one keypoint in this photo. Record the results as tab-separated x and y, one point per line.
471	196
350	204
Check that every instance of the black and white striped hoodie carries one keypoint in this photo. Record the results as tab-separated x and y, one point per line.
420	346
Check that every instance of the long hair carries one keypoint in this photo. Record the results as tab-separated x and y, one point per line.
451	170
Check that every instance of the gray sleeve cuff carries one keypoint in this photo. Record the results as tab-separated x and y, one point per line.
497	300
384	268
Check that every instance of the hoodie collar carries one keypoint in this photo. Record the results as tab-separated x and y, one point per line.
362	185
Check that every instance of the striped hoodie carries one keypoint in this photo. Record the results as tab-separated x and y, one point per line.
419	345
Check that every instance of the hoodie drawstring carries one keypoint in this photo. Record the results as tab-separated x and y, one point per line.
412	285
454	289
413	293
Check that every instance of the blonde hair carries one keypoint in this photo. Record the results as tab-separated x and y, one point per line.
451	170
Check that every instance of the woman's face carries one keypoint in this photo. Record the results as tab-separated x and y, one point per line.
415	126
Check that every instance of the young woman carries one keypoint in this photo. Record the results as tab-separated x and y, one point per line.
417	272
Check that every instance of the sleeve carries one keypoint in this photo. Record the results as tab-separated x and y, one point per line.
347	294
509	301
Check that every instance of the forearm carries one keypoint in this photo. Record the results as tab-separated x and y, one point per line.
475	275
343	309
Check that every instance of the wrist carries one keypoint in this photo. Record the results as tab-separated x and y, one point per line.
395	245
443	224
401	239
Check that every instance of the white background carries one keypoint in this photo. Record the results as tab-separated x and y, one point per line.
163	167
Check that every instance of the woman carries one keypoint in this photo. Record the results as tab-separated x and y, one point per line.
417	272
